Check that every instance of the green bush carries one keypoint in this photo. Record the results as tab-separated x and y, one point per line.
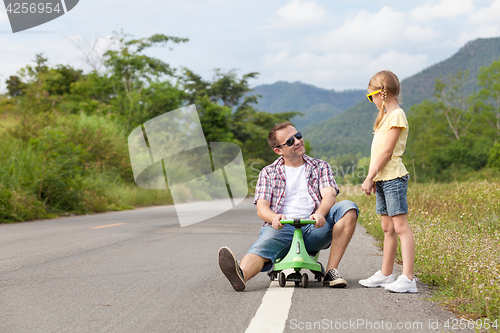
494	156
17	206
72	163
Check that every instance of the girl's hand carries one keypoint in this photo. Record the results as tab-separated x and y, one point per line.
368	186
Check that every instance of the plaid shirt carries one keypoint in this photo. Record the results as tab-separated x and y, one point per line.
271	182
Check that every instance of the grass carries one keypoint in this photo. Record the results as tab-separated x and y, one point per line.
76	164
457	241
134	196
7	121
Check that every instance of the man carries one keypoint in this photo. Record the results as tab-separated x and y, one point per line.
294	186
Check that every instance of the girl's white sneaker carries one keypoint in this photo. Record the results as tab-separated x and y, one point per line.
402	285
377	280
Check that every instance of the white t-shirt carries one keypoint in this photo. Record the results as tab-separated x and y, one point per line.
297	202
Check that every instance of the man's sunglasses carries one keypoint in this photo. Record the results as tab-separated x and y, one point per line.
370	95
291	141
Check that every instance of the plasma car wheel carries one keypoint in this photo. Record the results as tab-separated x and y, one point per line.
305	280
282	279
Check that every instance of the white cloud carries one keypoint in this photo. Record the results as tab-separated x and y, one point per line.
342	69
488	14
3	17
402	64
286	43
363	32
413	34
483	23
443	9
329	70
374	32
297	13
277	59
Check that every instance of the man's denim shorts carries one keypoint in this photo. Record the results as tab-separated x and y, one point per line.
274	244
392	196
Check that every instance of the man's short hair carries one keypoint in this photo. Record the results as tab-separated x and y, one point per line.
271	138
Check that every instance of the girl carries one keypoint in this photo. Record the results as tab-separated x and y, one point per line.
388	179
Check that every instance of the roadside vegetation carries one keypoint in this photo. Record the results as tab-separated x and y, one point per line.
457	241
72	164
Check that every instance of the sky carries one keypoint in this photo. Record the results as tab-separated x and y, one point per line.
335	44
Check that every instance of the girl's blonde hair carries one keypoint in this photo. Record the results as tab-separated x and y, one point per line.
388	83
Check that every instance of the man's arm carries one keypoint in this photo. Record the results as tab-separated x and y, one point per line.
265	213
329	195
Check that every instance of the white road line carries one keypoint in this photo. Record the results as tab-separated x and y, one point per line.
273	312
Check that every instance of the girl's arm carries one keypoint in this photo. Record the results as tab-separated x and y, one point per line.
380	162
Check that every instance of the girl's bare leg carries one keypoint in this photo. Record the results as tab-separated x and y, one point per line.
407	243
390	245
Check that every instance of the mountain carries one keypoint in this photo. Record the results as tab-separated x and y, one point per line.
317	104
351	131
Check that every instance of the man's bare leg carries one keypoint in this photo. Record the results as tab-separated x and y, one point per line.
251	265
341	236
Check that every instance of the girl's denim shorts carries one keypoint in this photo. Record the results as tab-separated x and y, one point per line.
392	196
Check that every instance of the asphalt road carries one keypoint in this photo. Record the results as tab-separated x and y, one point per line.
139	271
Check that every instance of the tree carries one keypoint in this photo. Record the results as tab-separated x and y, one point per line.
487	100
494	156
15	86
453	104
225	88
226	111
446	135
428	131
136	78
40	88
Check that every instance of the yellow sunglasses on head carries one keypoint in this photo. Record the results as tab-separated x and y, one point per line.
370	95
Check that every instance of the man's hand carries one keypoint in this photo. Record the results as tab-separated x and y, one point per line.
368	186
276	222
320	219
